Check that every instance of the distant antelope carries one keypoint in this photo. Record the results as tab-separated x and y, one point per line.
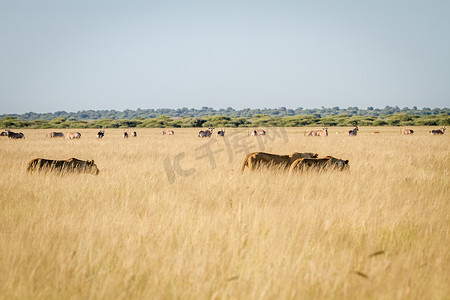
258	132
101	134
221	132
437	131
323	132
134	134
168	132
353	132
407	131
205	133
14	135
125	134
73	135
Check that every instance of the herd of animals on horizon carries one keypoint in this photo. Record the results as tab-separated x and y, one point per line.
293	162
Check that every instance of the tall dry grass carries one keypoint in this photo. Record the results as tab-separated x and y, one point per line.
128	233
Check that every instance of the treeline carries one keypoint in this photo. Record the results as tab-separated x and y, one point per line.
90	115
262	120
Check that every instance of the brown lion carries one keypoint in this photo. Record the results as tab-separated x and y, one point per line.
71	165
258	159
324	163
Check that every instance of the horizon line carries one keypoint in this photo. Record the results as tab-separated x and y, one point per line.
217	109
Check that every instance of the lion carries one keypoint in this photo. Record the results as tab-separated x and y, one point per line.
327	162
71	165
257	159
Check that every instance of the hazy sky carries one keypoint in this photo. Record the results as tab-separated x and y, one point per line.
73	55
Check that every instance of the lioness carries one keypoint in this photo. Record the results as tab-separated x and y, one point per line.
327	162
72	165
257	159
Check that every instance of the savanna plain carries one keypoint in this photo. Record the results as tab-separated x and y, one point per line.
173	217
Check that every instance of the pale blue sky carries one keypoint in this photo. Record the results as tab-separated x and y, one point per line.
74	55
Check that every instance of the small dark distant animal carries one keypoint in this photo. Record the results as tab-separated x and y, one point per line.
323	132
55	134
439	131
256	160
125	134
353	132
407	131
71	165
101	134
258	132
3	133
73	135
134	134
206	133
221	133
168	132
14	135
325	163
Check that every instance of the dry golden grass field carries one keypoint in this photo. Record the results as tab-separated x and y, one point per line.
172	217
